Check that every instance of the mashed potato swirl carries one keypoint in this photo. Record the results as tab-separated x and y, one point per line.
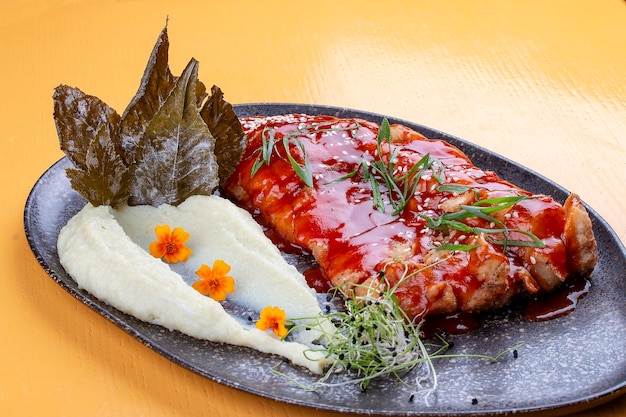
105	252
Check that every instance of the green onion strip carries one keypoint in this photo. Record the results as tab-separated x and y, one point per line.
270	142
482	209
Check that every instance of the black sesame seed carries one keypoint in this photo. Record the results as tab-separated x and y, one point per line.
474	401
411	398
515	353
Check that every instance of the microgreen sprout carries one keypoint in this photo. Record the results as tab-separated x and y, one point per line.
374	338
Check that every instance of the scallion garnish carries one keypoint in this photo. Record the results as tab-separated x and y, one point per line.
268	147
303	169
382	176
482	209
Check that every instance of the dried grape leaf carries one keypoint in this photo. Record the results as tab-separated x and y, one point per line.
78	117
105	178
201	93
161	150
175	157
156	85
226	128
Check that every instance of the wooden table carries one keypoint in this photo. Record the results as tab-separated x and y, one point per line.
542	83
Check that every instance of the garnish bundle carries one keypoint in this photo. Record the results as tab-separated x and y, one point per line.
174	139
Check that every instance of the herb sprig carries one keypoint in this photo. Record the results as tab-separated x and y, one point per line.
382	173
268	147
483	209
302	169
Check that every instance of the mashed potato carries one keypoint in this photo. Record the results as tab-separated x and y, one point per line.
106	252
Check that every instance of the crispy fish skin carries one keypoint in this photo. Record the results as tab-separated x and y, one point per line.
357	245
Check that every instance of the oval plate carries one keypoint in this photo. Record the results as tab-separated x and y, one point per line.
571	363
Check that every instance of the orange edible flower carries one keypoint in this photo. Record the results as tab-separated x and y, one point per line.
214	280
273	318
170	244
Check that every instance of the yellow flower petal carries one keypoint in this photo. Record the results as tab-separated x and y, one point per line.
201	286
204	272
179	235
220	268
163	232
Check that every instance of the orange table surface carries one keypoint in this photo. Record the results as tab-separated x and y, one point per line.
540	82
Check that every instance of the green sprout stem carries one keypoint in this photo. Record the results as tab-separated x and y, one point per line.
374	338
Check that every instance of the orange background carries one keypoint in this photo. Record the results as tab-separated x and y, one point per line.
540	82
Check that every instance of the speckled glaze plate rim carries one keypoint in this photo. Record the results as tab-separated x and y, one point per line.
51	203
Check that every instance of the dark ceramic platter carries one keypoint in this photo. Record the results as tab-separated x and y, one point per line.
564	365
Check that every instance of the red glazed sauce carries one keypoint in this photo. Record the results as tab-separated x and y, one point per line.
558	303
337	221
